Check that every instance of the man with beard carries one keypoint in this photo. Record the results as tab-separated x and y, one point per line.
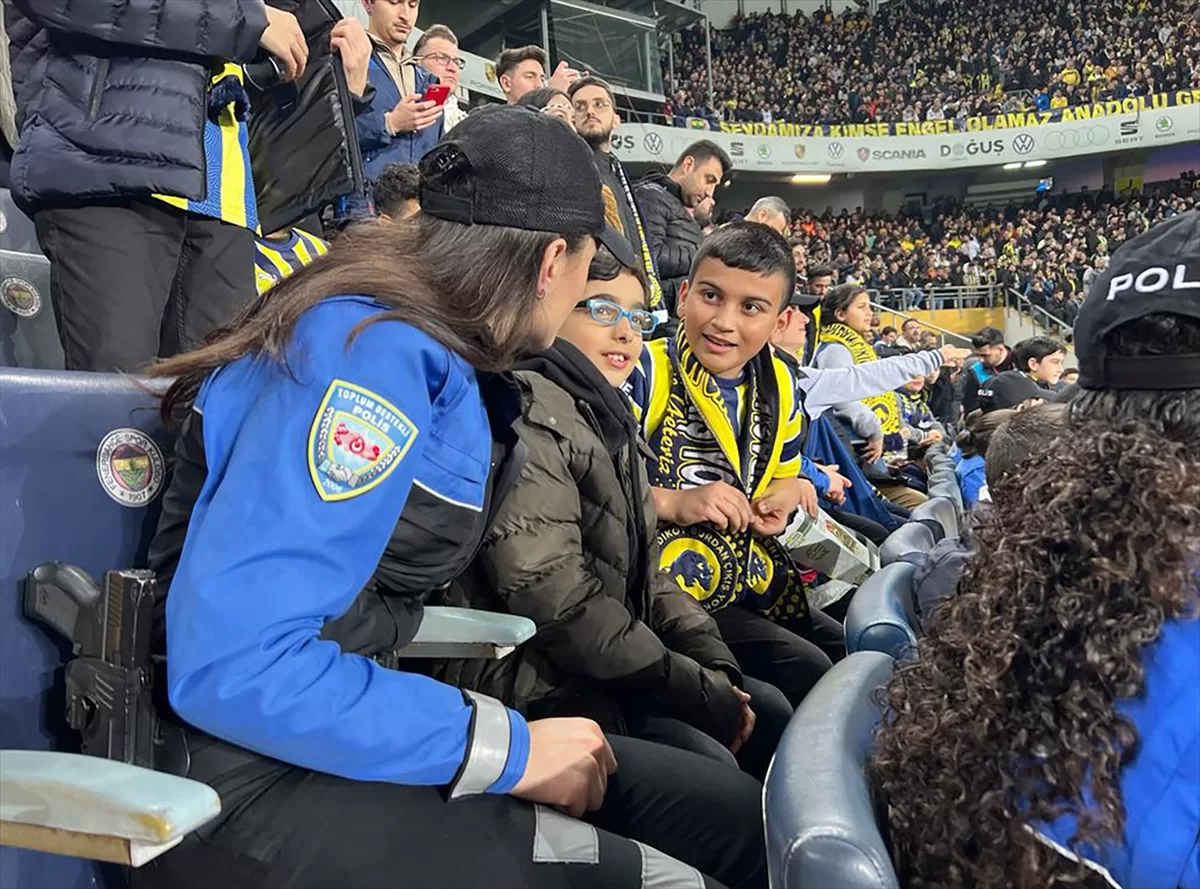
595	120
673	236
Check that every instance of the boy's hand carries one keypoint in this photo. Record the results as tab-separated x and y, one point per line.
781	498
718	503
747	726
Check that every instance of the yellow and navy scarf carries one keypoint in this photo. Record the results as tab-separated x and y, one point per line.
885	406
229	188
694	443
656	294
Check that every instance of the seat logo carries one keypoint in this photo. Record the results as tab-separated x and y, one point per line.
130	467
20	297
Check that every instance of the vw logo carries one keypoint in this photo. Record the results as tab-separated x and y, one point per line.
1023	144
1083	137
835	150
653	143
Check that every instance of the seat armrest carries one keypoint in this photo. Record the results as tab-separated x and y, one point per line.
87	807
467	633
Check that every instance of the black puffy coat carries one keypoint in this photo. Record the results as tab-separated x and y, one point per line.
674	236
112	94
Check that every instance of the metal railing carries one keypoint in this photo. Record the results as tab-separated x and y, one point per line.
1052	325
975	296
946	336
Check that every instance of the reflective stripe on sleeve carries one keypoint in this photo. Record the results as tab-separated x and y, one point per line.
488	741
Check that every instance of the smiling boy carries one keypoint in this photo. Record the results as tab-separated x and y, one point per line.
720	412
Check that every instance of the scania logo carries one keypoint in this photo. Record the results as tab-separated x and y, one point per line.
836	150
1023	144
653	143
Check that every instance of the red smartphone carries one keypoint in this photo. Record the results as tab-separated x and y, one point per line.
437	93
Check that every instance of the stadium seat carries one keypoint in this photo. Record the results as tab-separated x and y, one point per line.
941	511
881	616
945	485
911	537
822	817
82	462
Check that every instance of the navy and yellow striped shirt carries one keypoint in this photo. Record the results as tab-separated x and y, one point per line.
276	259
229	187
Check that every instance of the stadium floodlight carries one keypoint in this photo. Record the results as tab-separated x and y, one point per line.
811	178
1035	164
1015	165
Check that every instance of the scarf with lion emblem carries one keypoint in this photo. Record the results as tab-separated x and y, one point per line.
886	406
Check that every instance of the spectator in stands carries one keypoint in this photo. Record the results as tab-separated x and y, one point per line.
924	60
571	549
973	441
436	50
551	101
302	488
664	199
717	525
820	280
845	319
1016	444
281	254
1009	389
523	68
596	119
1079	623
399	126
8	107
884	345
994	357
773	212
1041	359
397	191
146	258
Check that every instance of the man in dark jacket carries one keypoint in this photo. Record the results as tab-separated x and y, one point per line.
665	199
132	163
994	358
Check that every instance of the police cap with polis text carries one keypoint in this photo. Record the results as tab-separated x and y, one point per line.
1156	272
509	166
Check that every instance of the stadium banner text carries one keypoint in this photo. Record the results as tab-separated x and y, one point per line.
1177	122
1016	120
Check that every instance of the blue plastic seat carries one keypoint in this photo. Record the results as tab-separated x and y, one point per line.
881	616
911	537
822	819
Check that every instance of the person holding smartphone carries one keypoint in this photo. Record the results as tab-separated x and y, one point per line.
403	120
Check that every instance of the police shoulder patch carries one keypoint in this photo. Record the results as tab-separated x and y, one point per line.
356	440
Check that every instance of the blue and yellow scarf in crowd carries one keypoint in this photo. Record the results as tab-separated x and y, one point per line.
885	406
694	441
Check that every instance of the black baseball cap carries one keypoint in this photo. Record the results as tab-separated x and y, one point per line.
1009	389
802	300
510	166
1158	271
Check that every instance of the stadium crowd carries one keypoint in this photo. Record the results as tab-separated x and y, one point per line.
1050	249
919	60
498	373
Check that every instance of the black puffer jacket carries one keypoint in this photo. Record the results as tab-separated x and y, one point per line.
112	94
674	236
571	548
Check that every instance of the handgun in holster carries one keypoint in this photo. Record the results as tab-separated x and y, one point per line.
109	681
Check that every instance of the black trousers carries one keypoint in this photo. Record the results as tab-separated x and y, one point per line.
140	280
791	655
772	712
283	827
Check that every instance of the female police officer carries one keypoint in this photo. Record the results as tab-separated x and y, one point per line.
338	458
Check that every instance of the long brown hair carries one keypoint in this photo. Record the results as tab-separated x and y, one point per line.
472	288
1010	711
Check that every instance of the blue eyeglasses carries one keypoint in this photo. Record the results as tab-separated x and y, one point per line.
608	313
